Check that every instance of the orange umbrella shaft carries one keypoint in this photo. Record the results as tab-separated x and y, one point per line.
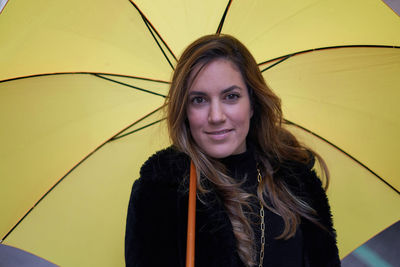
190	245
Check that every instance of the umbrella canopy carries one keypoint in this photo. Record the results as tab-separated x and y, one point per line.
81	83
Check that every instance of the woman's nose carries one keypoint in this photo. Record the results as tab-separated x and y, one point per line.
216	113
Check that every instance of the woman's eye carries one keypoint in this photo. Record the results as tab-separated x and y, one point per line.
197	100
232	96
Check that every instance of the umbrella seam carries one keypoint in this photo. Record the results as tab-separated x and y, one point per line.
128	85
344	152
325	48
158	44
167	82
150	25
136	122
82	73
136	130
276	63
221	23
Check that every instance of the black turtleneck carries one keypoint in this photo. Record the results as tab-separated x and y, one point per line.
278	252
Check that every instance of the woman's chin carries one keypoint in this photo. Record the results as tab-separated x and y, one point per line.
223	152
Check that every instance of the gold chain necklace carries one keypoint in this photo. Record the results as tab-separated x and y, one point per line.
259	179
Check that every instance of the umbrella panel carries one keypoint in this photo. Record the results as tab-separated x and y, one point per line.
362	205
81	222
56	121
185	21
77	36
349	97
271	29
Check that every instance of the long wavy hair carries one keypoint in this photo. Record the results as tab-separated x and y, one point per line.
274	145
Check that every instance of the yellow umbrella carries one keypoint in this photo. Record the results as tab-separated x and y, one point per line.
75	74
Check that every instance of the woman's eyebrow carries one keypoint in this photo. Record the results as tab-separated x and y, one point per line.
197	93
230	88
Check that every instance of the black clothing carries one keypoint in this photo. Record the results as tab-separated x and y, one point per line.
157	218
244	166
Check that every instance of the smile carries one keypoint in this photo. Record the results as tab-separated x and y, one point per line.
219	135
220	132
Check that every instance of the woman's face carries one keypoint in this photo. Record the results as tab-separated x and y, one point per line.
219	109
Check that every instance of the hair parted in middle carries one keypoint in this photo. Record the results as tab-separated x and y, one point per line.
273	144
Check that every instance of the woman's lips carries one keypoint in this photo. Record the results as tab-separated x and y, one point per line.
218	135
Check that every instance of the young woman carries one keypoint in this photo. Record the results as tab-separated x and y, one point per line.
259	203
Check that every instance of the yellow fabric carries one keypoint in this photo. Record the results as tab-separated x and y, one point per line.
349	96
362	205
180	21
82	221
96	36
50	123
77	36
285	27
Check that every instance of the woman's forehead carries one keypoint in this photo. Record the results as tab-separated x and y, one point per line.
216	72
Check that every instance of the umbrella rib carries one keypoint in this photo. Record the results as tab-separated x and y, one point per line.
221	23
78	164
320	48
344	152
151	28
117	136
134	77
276	63
99	73
136	130
155	39
151	25
131	86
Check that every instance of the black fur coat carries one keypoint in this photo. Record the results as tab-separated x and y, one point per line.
157	218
